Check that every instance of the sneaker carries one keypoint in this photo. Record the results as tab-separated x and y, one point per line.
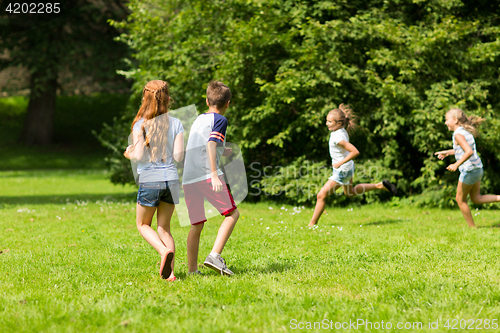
218	264
196	272
390	186
166	264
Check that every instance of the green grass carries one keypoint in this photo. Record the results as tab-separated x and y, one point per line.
75	146
73	261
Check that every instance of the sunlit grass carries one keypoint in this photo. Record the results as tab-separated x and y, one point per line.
72	260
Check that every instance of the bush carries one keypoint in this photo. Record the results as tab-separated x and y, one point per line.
288	62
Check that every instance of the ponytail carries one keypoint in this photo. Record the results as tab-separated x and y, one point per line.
470	124
346	116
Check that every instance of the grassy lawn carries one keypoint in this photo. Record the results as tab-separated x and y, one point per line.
73	261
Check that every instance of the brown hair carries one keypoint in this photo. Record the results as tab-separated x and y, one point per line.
155	102
470	124
346	116
218	94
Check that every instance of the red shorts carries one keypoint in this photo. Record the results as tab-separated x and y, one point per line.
195	195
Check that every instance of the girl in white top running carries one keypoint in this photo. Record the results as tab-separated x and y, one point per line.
467	161
343	153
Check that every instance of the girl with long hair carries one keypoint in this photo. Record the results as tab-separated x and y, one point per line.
157	140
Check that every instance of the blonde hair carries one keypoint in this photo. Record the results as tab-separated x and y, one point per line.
470	124
155	102
346	116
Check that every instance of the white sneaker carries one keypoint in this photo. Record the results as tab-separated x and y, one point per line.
218	264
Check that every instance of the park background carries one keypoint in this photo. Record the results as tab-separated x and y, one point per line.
72	85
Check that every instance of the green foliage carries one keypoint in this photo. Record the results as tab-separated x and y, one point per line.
400	64
79	43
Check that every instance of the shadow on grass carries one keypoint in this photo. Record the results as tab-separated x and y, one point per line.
382	222
489	226
275	267
63	199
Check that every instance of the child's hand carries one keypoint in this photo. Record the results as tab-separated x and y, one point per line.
227	152
216	184
128	151
337	165
441	154
452	167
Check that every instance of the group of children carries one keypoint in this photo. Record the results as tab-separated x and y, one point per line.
158	141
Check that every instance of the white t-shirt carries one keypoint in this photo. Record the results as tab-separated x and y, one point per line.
159	171
207	127
474	162
337	152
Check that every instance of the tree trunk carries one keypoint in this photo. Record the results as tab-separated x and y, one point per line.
38	127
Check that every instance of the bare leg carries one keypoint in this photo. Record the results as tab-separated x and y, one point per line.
163	216
362	188
193	244
479	199
329	188
144	217
462	193
225	231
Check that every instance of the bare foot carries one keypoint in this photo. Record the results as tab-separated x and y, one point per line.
311	224
167	257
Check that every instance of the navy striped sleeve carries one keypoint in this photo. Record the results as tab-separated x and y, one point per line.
218	133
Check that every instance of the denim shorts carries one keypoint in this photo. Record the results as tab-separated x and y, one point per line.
150	194
342	177
471	177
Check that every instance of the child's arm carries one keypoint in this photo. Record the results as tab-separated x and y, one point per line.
467	149
442	154
353	153
136	150
178	153
212	160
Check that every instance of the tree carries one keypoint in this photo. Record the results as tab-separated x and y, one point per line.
400	63
78	40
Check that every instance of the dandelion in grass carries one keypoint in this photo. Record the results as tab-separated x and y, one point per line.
271	208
